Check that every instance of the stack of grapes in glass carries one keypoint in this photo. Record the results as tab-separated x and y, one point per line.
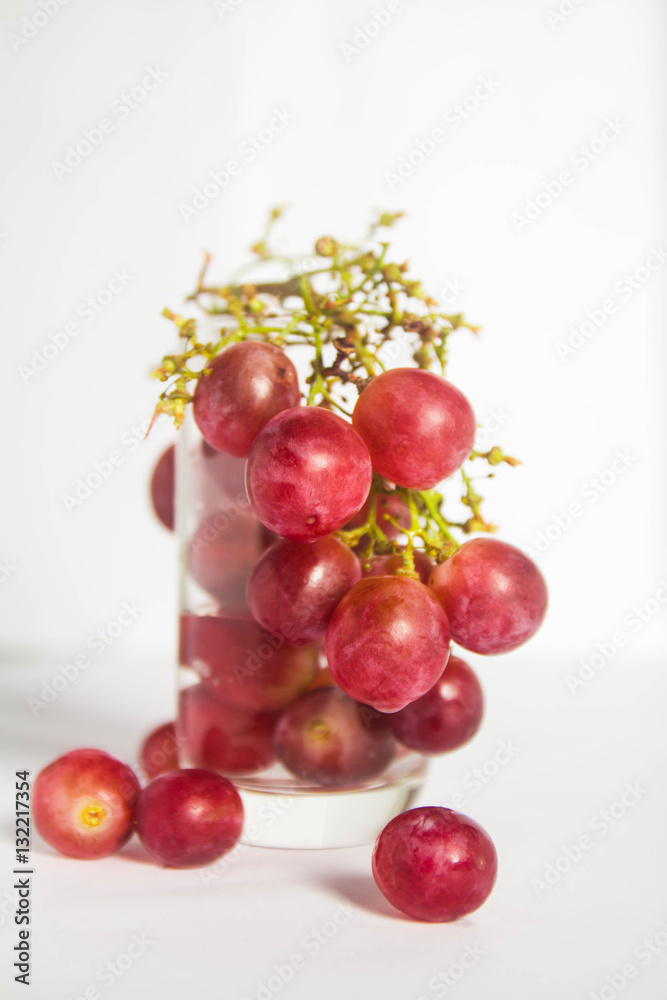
323	582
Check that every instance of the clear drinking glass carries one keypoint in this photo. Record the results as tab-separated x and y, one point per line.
234	678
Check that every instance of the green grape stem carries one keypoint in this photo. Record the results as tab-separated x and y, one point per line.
355	312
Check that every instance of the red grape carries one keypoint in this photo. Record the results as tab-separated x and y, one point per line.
387	642
242	664
189	818
445	717
495	596
418	427
308	473
222	554
248	383
163	487
328	738
159	751
222	737
434	864
389	564
83	804
295	587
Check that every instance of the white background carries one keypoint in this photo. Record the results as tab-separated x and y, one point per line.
555	83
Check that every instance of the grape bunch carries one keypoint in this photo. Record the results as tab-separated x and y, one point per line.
335	593
343	573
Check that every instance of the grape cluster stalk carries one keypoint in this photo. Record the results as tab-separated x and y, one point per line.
354	310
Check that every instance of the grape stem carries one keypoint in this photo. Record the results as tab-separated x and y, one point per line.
348	311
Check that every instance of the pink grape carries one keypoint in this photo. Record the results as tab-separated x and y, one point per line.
387	642
388	565
189	818
222	554
217	735
495	597
159	751
434	864
83	804
163	487
308	473
418	427
295	587
328	738
242	664
248	384
445	717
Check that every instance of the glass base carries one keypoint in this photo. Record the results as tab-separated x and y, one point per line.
284	812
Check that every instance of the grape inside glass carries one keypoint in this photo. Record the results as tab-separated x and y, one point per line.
245	695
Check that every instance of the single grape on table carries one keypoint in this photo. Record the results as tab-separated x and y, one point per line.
434	864
189	818
83	804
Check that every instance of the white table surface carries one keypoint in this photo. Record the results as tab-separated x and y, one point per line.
219	938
